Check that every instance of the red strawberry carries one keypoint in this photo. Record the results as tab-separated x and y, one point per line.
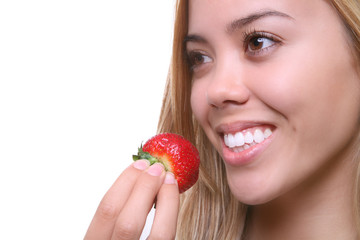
177	154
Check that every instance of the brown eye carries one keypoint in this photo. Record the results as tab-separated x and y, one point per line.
197	59
259	43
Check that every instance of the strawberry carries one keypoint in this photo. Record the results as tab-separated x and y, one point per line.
177	155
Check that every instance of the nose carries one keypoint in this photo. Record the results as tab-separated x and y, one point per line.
227	86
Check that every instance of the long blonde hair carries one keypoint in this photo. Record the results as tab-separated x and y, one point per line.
209	210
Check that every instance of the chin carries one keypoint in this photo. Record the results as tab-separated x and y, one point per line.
251	195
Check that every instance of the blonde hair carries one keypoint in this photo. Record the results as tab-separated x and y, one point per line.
209	210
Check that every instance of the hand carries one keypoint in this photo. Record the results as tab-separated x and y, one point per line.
123	210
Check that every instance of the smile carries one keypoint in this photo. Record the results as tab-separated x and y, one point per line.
240	141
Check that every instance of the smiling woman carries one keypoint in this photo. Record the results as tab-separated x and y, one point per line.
261	88
272	80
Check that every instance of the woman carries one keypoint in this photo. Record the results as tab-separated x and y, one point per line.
269	91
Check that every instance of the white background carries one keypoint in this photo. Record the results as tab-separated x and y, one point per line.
81	85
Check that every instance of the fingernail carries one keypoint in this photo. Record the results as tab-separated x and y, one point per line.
169	178
156	169
141	164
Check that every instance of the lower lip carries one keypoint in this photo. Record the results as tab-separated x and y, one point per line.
247	156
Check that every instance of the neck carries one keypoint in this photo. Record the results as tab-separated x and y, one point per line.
321	208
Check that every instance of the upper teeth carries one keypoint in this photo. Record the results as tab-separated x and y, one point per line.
241	138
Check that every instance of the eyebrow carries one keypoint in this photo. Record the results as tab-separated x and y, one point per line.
194	38
241	22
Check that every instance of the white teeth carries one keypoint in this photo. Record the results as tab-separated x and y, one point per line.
231	141
239	142
267	133
249	137
258	136
239	139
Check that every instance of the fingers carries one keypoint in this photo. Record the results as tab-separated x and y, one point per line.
167	207
132	217
109	208
122	213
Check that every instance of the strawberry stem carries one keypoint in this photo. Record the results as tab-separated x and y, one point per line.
145	155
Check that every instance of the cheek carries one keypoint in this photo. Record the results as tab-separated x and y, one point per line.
319	95
198	102
201	109
307	84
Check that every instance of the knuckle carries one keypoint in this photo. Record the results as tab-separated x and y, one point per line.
107	211
126	230
149	185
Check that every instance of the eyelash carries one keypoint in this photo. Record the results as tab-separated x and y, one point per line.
254	34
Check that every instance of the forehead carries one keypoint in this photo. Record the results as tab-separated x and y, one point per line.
221	12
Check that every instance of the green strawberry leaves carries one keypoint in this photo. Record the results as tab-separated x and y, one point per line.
145	155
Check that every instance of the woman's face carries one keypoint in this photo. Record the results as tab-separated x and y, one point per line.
275	88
